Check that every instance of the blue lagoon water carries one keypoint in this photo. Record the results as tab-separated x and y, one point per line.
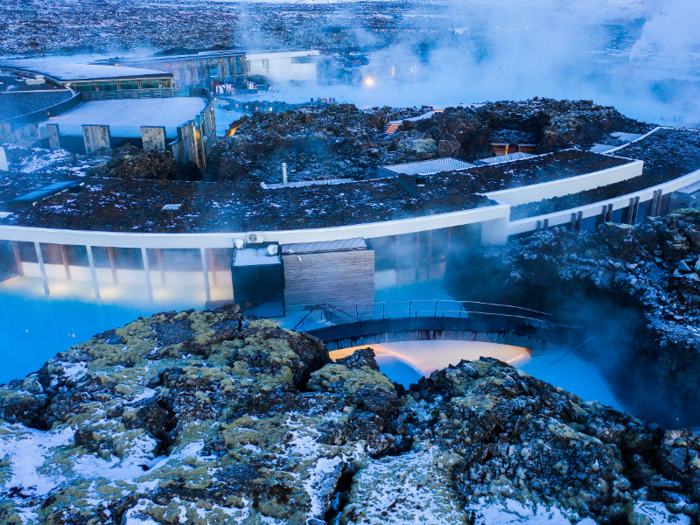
36	327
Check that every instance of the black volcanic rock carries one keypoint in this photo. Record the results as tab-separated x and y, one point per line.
212	417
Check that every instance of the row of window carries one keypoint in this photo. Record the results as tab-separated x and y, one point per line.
122	85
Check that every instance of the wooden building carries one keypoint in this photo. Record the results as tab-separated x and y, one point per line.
337	273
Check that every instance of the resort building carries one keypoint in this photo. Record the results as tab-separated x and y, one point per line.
335	244
196	70
184	125
283	65
97	81
87	107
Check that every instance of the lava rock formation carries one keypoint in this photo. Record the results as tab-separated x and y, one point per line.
211	417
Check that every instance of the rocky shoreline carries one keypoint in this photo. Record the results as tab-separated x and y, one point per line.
210	417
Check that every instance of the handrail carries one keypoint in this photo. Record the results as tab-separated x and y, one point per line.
415	313
466	302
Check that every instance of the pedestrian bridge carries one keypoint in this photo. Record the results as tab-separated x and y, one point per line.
436	320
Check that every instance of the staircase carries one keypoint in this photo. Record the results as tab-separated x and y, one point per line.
392	127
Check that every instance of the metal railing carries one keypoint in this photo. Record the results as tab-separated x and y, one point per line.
452	313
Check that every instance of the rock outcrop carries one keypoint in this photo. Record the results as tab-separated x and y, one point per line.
347	142
636	287
210	417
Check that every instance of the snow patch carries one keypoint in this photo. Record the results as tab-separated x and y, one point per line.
28	449
146	394
512	511
129	468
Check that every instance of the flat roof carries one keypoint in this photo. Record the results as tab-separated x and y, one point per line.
191	56
125	117
68	72
358	243
507	158
254	256
429	167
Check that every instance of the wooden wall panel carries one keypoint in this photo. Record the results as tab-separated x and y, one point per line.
342	279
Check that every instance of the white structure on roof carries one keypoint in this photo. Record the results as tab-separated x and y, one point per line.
283	66
426	167
601	148
506	158
305	183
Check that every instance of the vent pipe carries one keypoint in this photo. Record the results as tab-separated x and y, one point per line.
284	173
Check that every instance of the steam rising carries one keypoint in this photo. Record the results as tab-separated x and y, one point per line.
643	57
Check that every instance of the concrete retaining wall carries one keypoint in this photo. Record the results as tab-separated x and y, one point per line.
186	149
559	188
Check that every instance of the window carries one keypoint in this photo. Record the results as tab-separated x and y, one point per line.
106	86
266	63
129	84
84	87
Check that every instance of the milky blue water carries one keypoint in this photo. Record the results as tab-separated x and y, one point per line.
36	327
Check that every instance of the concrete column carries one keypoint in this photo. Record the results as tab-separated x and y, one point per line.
64	257
112	264
3	161
54	137
494	231
147	270
657	209
212	265
18	259
205	270
153	138
96	137
42	269
159	254
635	211
93	272
656	203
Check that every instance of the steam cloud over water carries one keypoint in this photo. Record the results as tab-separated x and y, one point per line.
643	57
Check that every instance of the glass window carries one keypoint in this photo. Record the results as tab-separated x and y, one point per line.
84	87
149	84
129	84
106	86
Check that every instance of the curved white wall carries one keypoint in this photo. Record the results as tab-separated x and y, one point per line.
592	210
